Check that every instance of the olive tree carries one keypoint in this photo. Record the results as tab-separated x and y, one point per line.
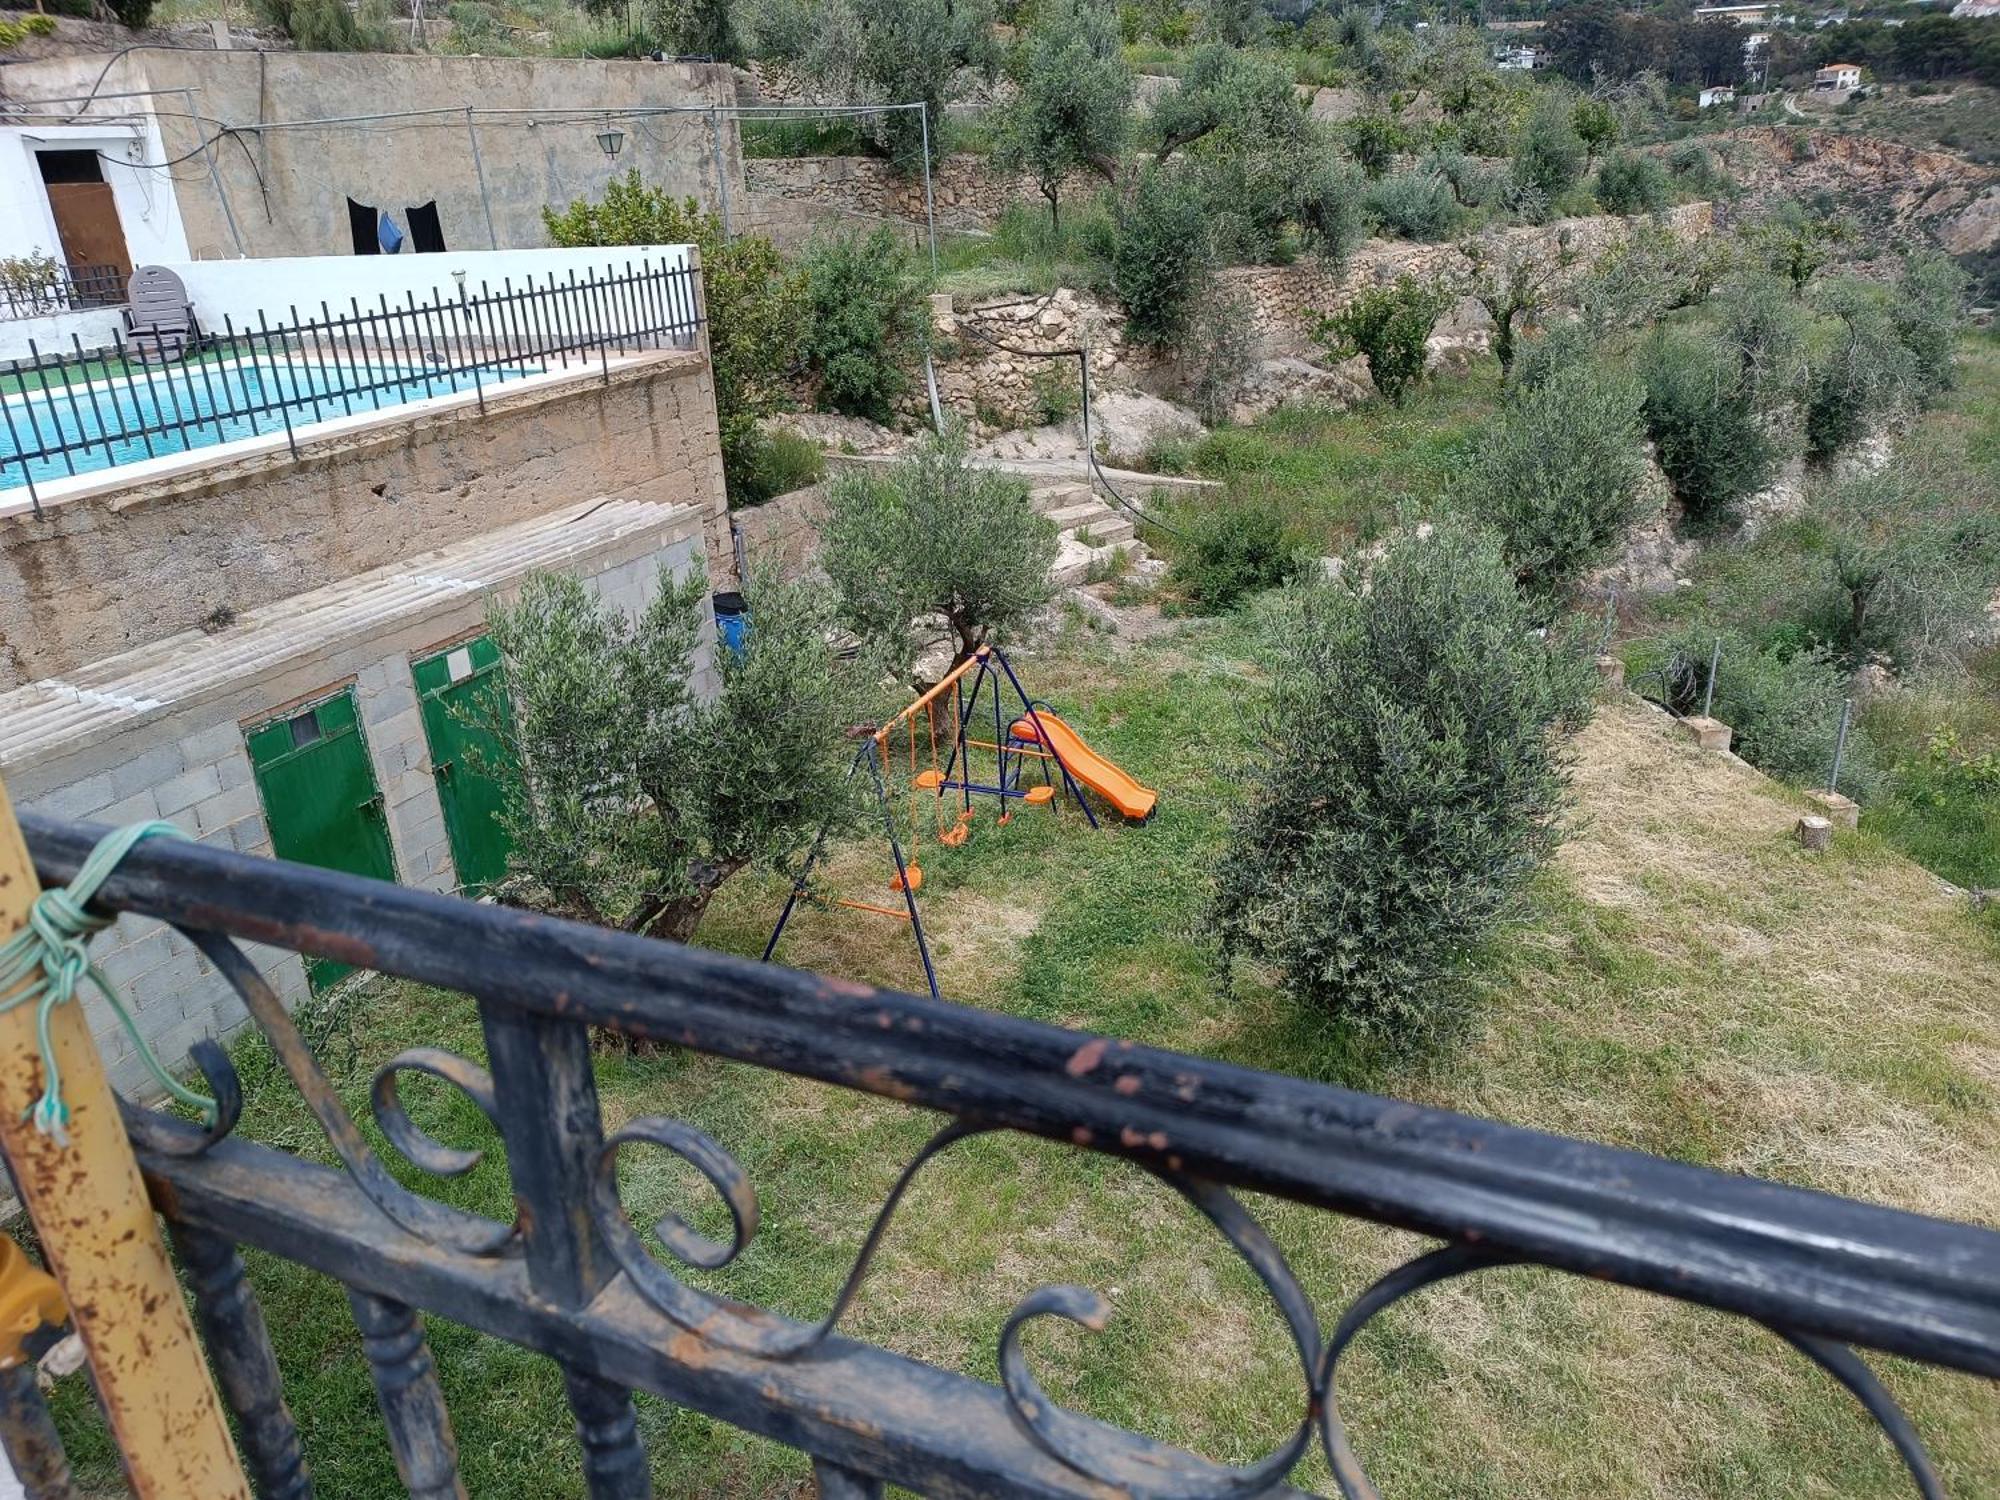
1560	476
1076	89
1410	779
637	796
936	536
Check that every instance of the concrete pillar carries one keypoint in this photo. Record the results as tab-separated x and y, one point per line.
1842	812
1814	833
942	318
1610	673
1710	734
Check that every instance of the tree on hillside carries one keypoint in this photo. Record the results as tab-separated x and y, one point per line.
883	52
1548	157
1076	90
1559	477
696	28
1514	287
1410	780
637	798
1161	256
1596	125
936	536
755	300
1242	96
1234	23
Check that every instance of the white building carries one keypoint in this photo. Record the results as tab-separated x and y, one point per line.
1742	15
1976	10
1837	78
1518	59
80	194
1722	94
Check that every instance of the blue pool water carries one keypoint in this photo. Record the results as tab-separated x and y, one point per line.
171	409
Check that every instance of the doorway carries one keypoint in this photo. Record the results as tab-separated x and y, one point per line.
320	799
464	700
87	222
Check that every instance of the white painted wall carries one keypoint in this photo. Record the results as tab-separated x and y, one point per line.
92	327
147	208
243	289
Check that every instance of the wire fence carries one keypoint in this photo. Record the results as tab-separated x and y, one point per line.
162	392
38	288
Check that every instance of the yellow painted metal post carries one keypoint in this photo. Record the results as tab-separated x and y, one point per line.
100	1238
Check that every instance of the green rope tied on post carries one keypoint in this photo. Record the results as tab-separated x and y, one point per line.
57	941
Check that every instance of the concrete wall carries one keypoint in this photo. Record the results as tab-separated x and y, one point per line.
276	290
93	327
124	564
148	209
191	768
288	188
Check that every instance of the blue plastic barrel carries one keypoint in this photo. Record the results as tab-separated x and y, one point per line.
732	622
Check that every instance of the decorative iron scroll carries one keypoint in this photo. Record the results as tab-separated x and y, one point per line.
1218	1114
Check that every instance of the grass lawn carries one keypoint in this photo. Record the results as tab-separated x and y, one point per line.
1688	982
1762	586
1345	475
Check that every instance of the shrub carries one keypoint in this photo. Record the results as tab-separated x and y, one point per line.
1559	476
1390	325
1629	183
1219	352
637	798
866	322
1707	435
1930	302
1229	549
1783	704
1910	564
1410	782
1514	288
936	536
1160	258
1415	205
1863	378
1475	184
132	14
1329	211
1549	156
1554	351
754	298
325	25
1764	332
780	462
1694	168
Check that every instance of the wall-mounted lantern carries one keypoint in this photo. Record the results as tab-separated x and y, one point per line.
611	140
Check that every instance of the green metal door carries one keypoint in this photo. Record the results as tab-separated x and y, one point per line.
320	799
463	693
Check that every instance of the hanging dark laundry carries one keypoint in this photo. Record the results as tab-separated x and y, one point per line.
426	233
362	222
390	236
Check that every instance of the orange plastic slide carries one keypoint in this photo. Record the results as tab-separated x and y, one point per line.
1087	766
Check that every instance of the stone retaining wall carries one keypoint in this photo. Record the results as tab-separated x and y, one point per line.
968	193
987	365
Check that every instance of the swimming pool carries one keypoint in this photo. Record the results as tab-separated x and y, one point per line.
50	430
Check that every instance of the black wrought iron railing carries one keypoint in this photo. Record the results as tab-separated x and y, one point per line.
572	1278
39	288
171	387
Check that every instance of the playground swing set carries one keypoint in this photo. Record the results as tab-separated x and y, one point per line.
937	737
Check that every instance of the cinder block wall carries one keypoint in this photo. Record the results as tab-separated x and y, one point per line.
193	769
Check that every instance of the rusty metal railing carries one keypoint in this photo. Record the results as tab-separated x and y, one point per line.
572	1278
